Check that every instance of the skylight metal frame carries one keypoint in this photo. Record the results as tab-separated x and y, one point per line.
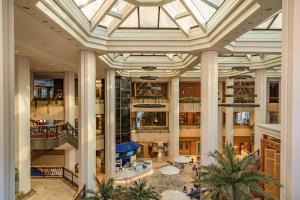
118	18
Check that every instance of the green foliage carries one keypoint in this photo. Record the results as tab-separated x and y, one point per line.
140	191
232	178
105	191
17	175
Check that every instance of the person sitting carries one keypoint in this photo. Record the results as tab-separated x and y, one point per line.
195	194
185	189
194	168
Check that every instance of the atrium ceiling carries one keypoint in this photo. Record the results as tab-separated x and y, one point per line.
167	34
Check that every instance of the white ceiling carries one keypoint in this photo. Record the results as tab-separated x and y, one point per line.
52	49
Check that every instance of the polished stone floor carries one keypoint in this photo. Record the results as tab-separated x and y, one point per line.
164	182
51	189
58	189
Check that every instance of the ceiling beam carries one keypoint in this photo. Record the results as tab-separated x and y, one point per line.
210	4
115	15
86	3
117	22
101	13
201	22
174	20
181	15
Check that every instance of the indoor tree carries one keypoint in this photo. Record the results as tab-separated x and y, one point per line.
104	191
140	191
231	178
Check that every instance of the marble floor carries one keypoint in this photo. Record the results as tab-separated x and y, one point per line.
58	189
51	189
164	182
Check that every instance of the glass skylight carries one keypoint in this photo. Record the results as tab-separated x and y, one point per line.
181	14
89	8
148	17
273	23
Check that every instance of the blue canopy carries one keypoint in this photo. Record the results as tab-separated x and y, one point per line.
126	147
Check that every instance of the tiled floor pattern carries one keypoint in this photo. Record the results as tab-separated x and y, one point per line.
51	189
58	189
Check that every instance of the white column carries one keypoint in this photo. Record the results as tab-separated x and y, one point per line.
69	99
290	98
7	101
23	122
229	113
70	159
260	113
174	118
220	108
209	105
31	86
87	102
110	124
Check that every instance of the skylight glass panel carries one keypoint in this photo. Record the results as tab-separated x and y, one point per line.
90	9
149	17
131	21
165	21
119	6
175	8
206	10
106	21
216	2
186	23
195	11
265	24
277	24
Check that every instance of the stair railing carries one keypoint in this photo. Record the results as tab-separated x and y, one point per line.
55	171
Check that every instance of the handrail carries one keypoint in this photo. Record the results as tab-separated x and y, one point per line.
47	131
55	171
48	137
80	194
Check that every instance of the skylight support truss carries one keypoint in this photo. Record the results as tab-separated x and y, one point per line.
102	12
118	21
201	22
186	32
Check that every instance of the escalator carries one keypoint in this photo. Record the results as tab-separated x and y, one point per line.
50	137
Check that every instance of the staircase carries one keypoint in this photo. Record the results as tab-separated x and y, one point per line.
50	137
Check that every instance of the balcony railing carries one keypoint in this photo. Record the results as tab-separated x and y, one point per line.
55	171
190	100
152	129
150	100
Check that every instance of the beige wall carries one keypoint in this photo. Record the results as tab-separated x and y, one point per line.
55	110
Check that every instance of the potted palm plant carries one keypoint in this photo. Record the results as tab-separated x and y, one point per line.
231	178
104	191
140	191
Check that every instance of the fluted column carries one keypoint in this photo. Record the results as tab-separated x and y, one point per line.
23	122
7	101
87	102
174	118
110	124
209	105
229	129
220	109
290	98
260	113
69	99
